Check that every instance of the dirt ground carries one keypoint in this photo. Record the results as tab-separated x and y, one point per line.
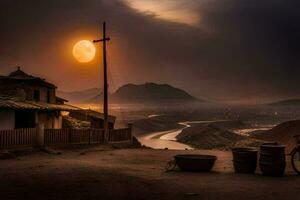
133	174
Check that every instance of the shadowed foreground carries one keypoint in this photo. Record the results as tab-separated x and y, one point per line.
133	174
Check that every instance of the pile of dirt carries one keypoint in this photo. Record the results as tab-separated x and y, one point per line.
209	136
282	133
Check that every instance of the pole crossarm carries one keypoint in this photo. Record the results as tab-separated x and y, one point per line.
101	40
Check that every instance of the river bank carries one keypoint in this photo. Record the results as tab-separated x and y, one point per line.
168	139
205	134
155	141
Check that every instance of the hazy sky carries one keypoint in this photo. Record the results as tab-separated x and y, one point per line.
232	50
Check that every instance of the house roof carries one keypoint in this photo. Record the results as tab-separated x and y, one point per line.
94	114
61	99
18	104
21	76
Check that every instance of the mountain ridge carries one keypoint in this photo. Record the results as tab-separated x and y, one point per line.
286	102
79	95
148	93
151	93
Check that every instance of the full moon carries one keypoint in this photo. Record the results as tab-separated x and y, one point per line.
84	51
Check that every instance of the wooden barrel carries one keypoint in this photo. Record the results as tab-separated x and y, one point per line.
272	159
244	160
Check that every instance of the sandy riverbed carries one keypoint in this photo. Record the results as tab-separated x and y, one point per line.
133	174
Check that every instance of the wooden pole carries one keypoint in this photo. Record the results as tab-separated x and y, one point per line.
105	85
105	94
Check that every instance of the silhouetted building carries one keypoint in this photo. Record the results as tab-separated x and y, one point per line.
95	118
26	100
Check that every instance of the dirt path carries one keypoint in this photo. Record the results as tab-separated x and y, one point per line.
133	174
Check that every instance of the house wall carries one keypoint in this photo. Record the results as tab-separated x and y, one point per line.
43	93
43	118
50	120
58	122
26	90
7	119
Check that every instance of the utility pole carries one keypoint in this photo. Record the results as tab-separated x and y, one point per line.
105	91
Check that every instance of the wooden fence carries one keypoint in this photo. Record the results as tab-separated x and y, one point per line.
116	135
17	138
28	137
74	136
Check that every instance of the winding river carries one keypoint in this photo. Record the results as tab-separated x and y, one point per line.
164	139
167	139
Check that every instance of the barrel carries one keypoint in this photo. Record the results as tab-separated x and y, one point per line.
272	159
244	160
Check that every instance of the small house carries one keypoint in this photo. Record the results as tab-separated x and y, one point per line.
26	101
95	118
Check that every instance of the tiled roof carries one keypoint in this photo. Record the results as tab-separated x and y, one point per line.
16	104
20	76
61	99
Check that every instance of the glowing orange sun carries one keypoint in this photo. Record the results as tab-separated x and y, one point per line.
84	51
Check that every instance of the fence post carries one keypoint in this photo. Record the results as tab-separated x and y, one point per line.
70	135
40	140
107	136
130	126
90	131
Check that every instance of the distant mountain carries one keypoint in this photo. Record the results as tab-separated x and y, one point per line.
287	102
82	96
151	93
148	93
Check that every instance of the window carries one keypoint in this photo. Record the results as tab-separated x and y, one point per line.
36	95
48	96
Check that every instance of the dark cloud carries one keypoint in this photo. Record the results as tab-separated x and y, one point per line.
262	37
241	49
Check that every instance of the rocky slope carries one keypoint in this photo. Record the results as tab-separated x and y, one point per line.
282	133
209	136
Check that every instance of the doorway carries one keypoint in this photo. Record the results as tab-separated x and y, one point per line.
24	119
